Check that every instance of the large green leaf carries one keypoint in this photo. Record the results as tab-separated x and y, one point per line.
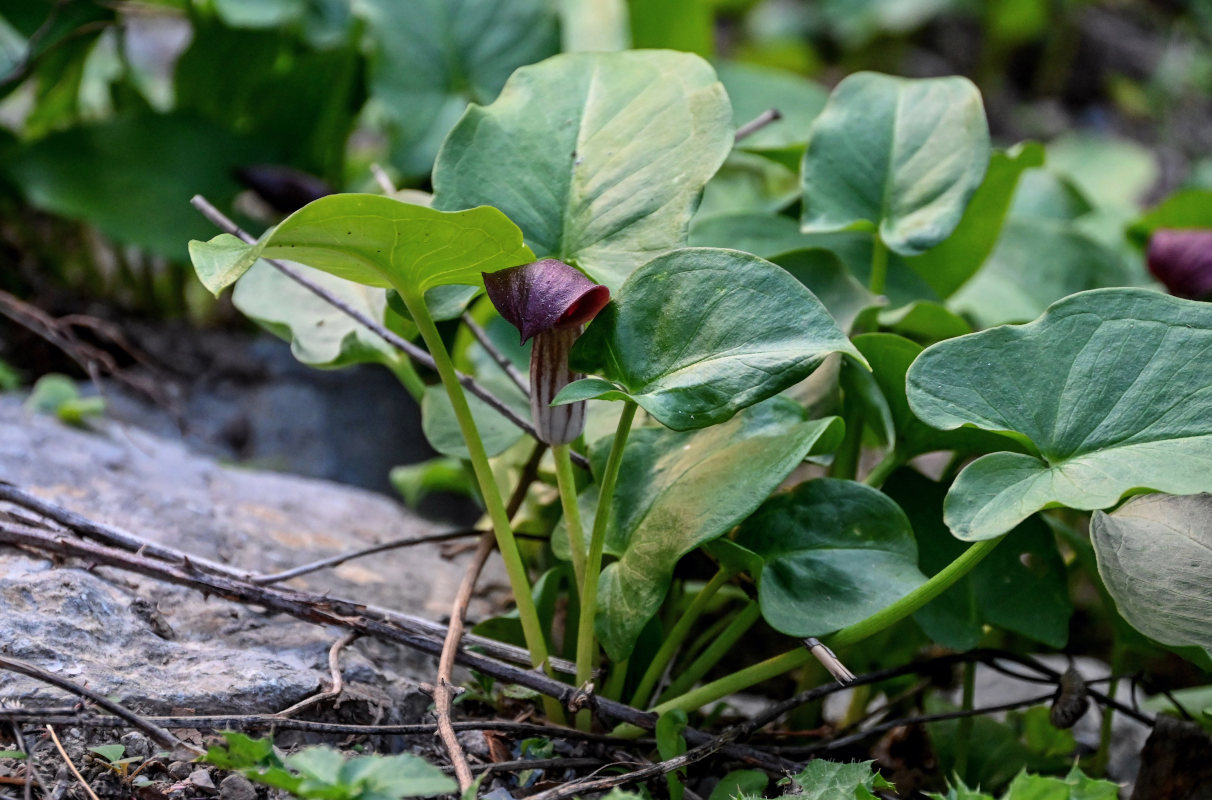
132	176
320	334
441	426
897	156
430	58
677	491
598	157
947	266
1155	556
1112	388
834	553
1110	172
698	334
1022	586
374	240
1036	263
1190	208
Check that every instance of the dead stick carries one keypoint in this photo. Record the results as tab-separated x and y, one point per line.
220	220
757	123
334	671
338	560
496	355
70	765
158	734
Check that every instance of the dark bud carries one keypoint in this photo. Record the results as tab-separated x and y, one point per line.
1182	260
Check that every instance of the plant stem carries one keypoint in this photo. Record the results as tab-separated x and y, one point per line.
567	483
718	648
593	564
785	662
879	265
519	582
1103	756
616	680
677	634
964	731
887	465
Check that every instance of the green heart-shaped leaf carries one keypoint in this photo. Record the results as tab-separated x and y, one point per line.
677	491
376	241
898	156
698	334
599	157
834	553
320	334
1110	387
1153	556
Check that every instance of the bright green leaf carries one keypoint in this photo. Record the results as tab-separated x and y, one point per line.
698	334
672	24
442	474
671	744
110	752
1110	387
598	157
740	783
832	780
677	491
374	240
498	434
430	58
1154	558
925	321
898	156
1190	208
835	552
1043	194
1110	172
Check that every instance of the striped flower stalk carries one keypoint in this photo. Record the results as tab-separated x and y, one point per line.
550	302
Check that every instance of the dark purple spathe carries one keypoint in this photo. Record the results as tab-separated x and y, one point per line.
1182	260
545	295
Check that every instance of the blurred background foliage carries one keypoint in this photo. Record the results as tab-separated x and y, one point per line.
113	114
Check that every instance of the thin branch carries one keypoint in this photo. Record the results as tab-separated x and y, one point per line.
338	560
159	735
494	352
757	123
111	535
70	765
334	671
443	690
250	722
221	221
537	763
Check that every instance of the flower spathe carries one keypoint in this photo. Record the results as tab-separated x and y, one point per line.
550	302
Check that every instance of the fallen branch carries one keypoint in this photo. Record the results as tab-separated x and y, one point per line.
757	123
334	671
159	735
221	221
338	560
59	746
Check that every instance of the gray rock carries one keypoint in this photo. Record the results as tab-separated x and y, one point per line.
180	769
201	779
236	787
158	648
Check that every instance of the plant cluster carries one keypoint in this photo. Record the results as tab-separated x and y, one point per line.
780	389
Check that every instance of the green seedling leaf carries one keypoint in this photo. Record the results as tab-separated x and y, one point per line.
320	334
677	491
598	157
442	474
1110	172
896	156
374	240
750	183
960	791
1109	389
110	752
429	58
671	744
1153	556
761	233
14	755
755	89
924	321
1190	208
1043	194
830	780
740	783
698	334
1022	586
10	378
57	394
1074	786
1036	263
1041	736
834	553
890	357
947	266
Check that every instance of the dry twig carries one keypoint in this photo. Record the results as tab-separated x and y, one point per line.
334	671
70	765
757	123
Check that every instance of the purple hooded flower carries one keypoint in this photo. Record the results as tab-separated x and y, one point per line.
550	302
1182	260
